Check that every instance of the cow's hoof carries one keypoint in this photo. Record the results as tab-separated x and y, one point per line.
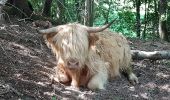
95	85
133	79
74	88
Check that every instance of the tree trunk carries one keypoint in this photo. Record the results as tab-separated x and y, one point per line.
138	3
2	3
163	33
156	22
156	55
80	6
47	8
78	10
105	12
22	8
61	11
1	15
89	5
145	20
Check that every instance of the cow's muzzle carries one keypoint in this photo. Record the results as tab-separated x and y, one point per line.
73	63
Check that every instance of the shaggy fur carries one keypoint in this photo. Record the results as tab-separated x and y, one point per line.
101	55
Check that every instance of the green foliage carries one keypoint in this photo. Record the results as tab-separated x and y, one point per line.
107	10
53	10
126	25
125	22
37	5
54	98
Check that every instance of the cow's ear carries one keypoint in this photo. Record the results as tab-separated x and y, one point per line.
49	36
92	39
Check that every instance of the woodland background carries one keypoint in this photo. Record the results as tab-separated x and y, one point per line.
27	65
146	19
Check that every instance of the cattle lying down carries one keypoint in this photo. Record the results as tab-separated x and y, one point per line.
88	56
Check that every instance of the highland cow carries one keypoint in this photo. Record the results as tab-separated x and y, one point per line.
88	56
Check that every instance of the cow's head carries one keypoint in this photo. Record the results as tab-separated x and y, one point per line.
71	42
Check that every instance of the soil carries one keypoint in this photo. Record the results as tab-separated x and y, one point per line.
27	67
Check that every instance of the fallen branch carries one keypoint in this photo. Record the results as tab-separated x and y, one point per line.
155	55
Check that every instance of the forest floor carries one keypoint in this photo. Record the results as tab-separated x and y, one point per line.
26	68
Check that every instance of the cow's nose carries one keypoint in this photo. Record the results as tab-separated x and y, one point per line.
72	63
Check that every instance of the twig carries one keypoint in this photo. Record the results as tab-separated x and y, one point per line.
15	91
23	19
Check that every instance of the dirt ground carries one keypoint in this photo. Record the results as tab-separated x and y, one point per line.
26	68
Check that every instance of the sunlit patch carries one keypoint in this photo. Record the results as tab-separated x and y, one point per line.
49	93
20	49
70	88
17	75
21	77
67	92
44	84
41	83
151	85
165	87
140	64
135	95
144	95
2	28
165	98
132	88
162	75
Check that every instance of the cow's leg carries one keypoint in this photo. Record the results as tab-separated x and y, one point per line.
130	75
75	77
98	80
61	75
133	79
114	69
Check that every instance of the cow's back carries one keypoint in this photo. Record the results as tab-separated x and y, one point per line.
113	48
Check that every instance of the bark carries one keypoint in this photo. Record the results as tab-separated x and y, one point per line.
47	7
106	13
145	20
60	11
89	5
78	10
1	15
156	22
2	3
79	4
155	55
163	33
138	3
22	8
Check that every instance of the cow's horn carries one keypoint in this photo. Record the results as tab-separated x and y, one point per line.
99	29
48	31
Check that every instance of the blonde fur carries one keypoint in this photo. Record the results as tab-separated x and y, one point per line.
114	48
98	69
104	58
72	43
